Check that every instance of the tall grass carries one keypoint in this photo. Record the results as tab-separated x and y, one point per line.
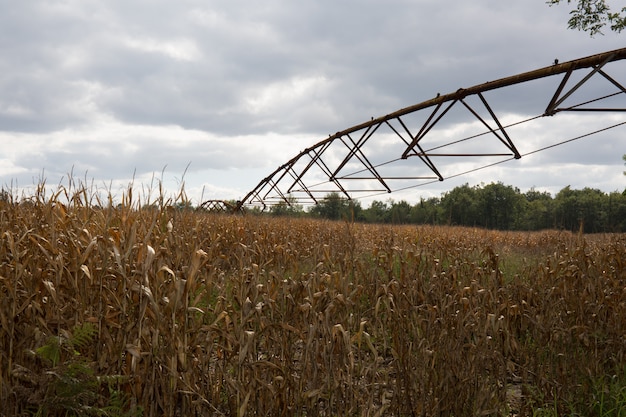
201	314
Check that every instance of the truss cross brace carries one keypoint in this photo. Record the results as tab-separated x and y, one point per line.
557	99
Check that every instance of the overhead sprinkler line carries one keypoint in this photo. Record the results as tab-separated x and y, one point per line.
459	174
320	169
563	68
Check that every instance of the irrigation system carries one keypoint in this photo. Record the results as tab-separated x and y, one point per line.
413	146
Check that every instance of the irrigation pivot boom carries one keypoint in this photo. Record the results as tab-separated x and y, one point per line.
349	162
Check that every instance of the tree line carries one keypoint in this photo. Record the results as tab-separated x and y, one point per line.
493	206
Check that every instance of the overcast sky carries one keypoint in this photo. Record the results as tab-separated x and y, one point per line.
220	93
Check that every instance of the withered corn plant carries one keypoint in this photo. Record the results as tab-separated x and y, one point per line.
201	314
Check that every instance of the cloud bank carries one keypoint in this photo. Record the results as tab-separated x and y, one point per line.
225	91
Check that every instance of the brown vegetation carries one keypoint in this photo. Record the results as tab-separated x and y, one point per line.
196	314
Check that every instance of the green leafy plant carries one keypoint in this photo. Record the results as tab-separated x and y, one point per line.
69	386
592	15
119	404
610	397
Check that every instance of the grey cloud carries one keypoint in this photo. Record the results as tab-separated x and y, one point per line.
232	68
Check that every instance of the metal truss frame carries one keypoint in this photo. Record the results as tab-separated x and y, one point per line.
220	206
287	184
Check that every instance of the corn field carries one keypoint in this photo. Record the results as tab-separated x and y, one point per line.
145	309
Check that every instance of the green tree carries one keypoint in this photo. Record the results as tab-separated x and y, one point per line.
427	211
498	206
378	212
586	208
354	211
460	206
335	207
616	212
400	212
593	205
538	210
290	207
592	15
567	212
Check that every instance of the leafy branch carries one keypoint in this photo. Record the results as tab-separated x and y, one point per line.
593	15
68	385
